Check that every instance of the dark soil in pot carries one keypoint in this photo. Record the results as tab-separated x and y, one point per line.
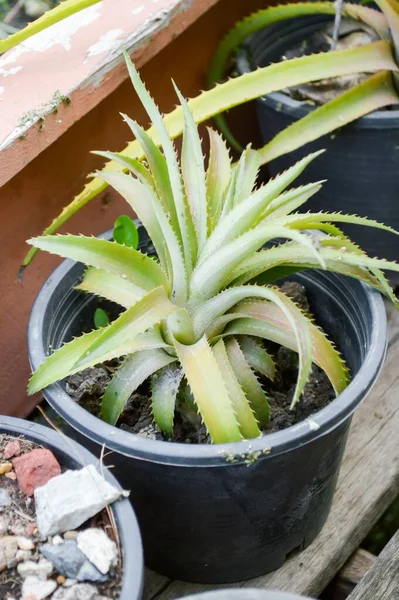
227	512
88	387
362	158
86	559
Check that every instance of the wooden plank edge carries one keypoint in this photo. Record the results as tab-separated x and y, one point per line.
38	128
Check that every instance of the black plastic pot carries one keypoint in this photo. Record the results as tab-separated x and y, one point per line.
361	164
225	513
245	594
73	456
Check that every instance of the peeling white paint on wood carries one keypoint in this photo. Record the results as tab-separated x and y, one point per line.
75	60
107	42
7	72
139	38
138	10
59	34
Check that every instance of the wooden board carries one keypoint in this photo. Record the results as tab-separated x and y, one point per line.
381	582
368	483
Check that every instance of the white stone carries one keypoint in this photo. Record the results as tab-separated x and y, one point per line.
79	591
69	499
4	523
101	551
34	588
8	550
5	499
40	570
23	555
25	543
57	540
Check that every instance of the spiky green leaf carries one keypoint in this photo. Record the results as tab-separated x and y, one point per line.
291	200
159	171
257	357
148	207
263	266
113	287
129	164
160	127
193	171
249	212
390	9
206	382
165	384
135	369
372	94
243	411
206	314
214	273
144	314
247	173
217	177
248	381
62	362
129	264
268	321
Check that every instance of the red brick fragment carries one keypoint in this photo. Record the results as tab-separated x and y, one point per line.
13	448
30	529
35	469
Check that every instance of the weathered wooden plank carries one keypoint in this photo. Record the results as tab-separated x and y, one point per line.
368	482
381	582
350	575
90	43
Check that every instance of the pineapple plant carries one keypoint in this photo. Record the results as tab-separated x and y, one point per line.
196	314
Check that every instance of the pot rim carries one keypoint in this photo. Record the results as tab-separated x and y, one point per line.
245	594
207	455
128	528
379	119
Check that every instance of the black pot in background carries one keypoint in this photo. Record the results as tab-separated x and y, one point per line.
245	594
361	164
73	456
207	513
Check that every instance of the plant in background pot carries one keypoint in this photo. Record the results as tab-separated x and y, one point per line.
197	343
62	517
362	160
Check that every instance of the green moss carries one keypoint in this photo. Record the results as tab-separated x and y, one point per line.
39	114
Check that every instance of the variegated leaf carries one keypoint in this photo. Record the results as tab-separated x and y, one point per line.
165	384
144	314
135	369
111	286
248	381
244	413
129	264
206	382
